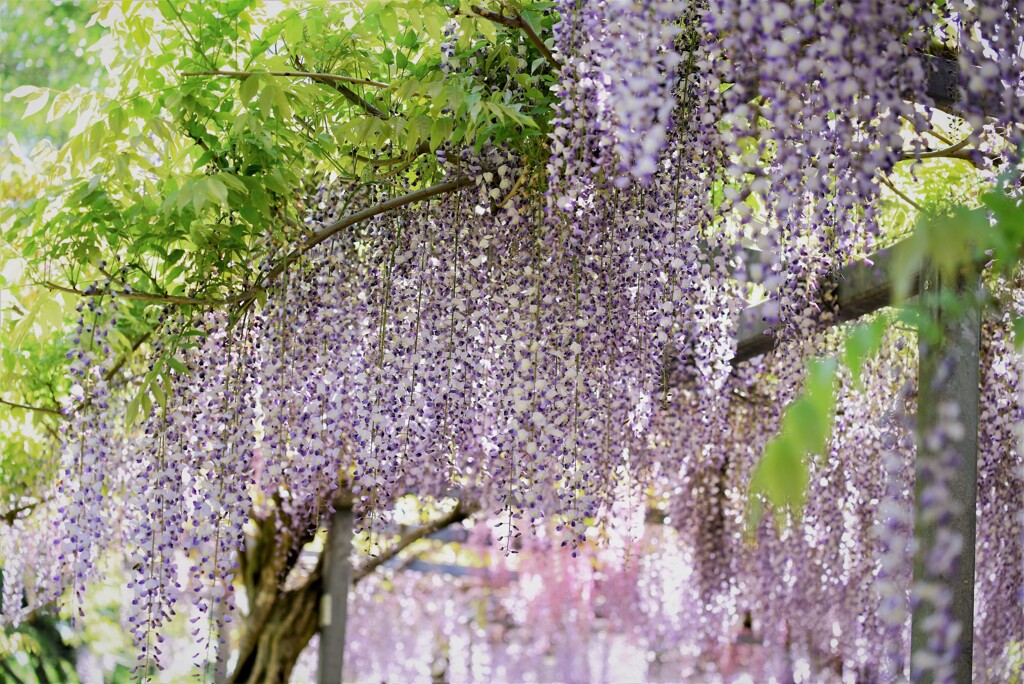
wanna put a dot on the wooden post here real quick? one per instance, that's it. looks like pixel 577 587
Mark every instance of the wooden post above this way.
pixel 334 601
pixel 948 374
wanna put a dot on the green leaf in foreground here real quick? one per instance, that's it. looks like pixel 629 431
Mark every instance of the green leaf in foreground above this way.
pixel 862 343
pixel 781 476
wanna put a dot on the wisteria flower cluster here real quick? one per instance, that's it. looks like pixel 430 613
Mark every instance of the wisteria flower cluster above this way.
pixel 540 343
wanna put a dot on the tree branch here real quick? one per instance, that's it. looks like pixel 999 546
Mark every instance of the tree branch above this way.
pixel 346 92
pixel 421 149
pixel 516 21
pixel 899 193
pixel 329 231
pixel 315 239
pixel 458 514
pixel 141 296
pixel 10 516
pixel 40 409
pixel 955 151
pixel 336 78
pixel 353 97
pixel 123 359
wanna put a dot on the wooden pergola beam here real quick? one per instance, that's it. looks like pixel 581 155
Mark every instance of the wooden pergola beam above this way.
pixel 861 287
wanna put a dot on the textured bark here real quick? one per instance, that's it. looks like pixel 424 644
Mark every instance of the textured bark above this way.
pixel 285 631
pixel 280 623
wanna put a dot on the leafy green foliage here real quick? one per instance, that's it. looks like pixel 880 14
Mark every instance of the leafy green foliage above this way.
pixel 48 45
pixel 180 178
pixel 37 652
pixel 961 243
pixel 175 165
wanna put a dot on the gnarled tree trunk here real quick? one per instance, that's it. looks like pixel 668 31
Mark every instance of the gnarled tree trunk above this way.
pixel 280 621
pixel 283 634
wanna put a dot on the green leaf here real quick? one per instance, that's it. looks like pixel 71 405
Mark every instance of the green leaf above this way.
pixel 132 412
pixel 781 477
pixel 293 27
pixel 216 189
pixel 820 384
pixel 119 342
pixel 275 181
pixel 433 23
pixel 389 22
pixel 440 131
pixel 24 91
pixel 198 196
pixel 267 98
pixel 233 182
pixel 862 343
pixel 488 29
pixel 145 403
pixel 804 427
pixel 37 103
pixel 419 129
pixel 249 87
pixel 281 103
pixel 23 326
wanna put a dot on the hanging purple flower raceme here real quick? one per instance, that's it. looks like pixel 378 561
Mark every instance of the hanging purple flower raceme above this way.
pixel 276 380
pixel 30 549
pixel 988 36
pixel 794 122
pixel 382 381
pixel 309 339
pixel 12 598
pixel 999 564
pixel 891 530
pixel 582 136
pixel 320 330
pixel 90 450
pixel 810 590
pixel 936 506
pixel 215 418
pixel 894 533
pixel 153 529
pixel 639 61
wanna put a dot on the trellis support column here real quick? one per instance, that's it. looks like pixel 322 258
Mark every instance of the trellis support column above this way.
pixel 334 601
pixel 948 376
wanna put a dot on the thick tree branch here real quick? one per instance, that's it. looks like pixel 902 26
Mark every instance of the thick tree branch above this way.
pixel 336 78
pixel 955 151
pixel 315 239
pixel 40 409
pixel 516 21
pixel 421 149
pixel 458 514
pixel 968 155
pixel 10 516
pixel 123 359
pixel 141 296
pixel 353 97
pixel 329 231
